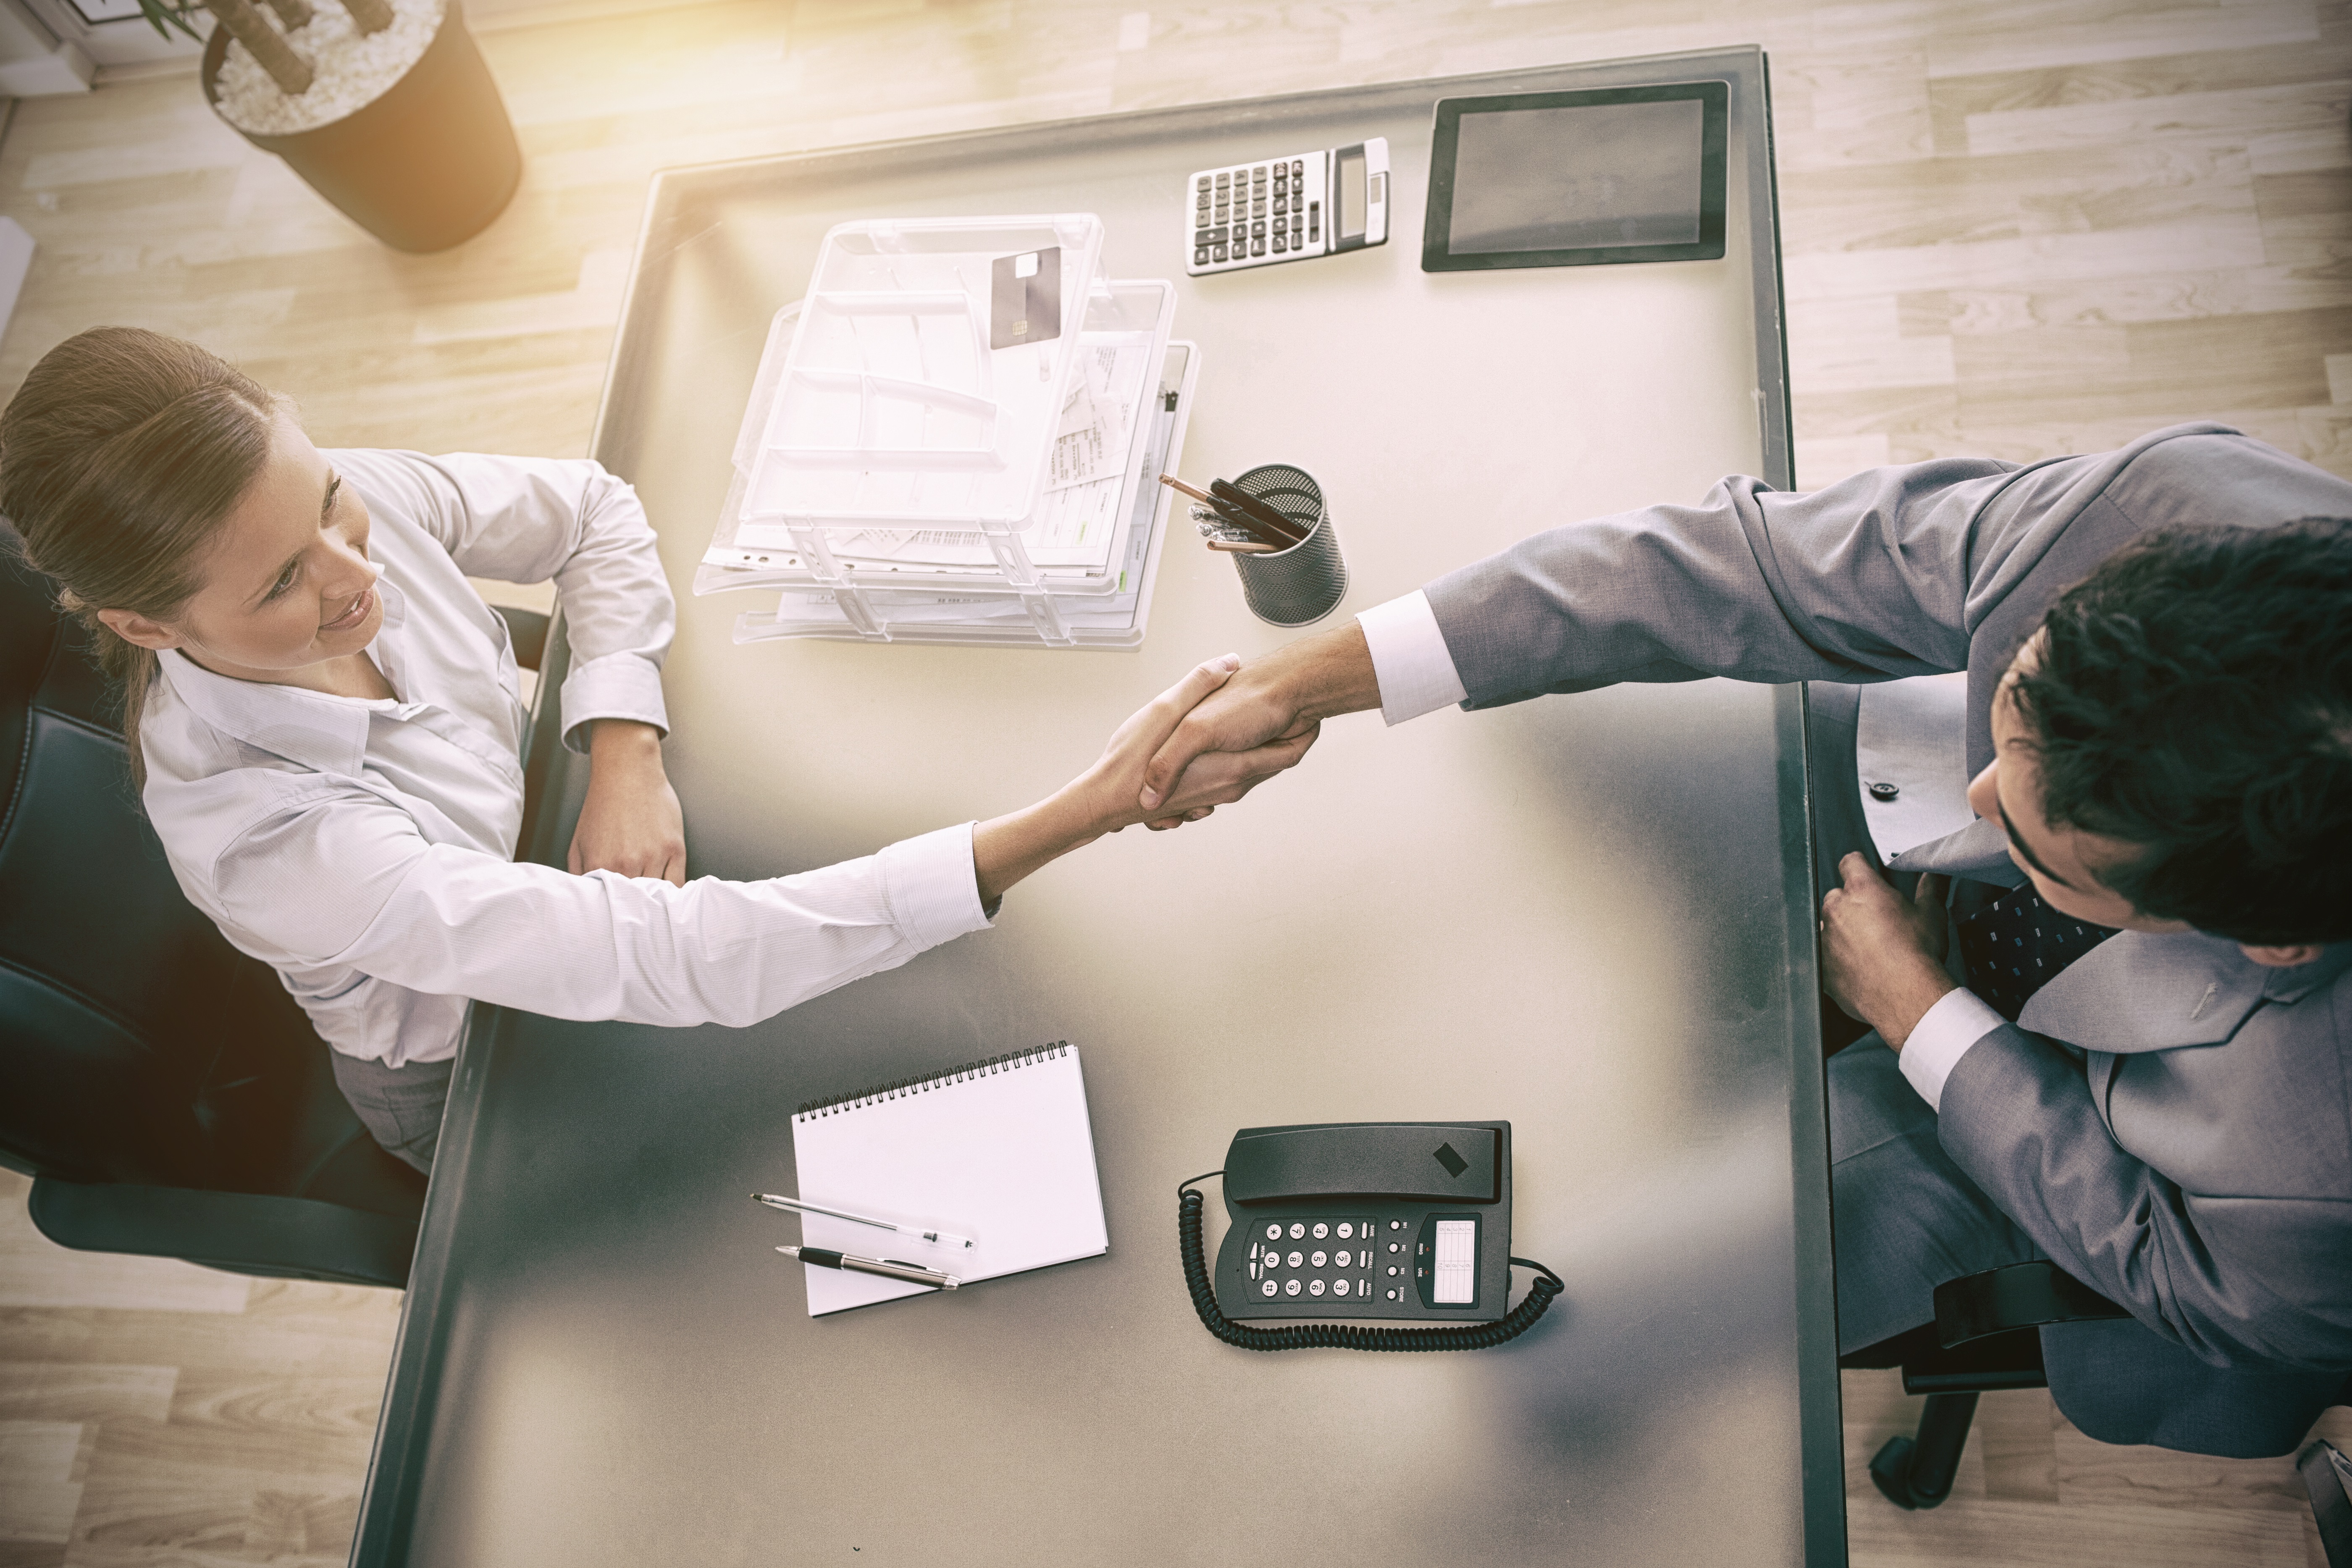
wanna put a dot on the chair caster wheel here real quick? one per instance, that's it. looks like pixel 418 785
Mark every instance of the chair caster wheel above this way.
pixel 1890 1468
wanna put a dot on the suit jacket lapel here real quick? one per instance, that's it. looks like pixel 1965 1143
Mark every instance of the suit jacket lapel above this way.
pixel 2138 992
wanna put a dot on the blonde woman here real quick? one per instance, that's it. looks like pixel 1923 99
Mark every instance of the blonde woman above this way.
pixel 324 724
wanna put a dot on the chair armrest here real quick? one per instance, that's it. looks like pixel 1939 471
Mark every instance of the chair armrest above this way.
pixel 2014 1296
pixel 243 1233
pixel 2323 1470
pixel 528 630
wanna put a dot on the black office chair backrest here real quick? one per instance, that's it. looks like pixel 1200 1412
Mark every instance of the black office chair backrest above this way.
pixel 136 1044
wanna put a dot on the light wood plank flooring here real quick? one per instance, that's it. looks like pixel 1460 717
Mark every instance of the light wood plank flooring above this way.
pixel 2013 227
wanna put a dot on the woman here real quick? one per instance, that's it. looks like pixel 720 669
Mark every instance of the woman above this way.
pixel 325 725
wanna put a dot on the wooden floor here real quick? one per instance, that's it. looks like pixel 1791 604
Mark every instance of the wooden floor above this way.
pixel 2015 226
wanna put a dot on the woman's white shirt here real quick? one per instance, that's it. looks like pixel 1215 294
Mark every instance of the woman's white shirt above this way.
pixel 364 848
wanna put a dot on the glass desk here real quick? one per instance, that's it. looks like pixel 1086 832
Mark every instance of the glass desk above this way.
pixel 1590 915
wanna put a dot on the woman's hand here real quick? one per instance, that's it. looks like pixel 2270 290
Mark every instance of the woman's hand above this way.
pixel 1103 799
pixel 630 822
pixel 1112 786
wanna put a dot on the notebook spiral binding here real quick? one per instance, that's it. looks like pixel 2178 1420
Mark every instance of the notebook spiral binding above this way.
pixel 1009 1062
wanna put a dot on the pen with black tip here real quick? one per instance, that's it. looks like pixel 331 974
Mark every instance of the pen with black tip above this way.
pixel 826 1258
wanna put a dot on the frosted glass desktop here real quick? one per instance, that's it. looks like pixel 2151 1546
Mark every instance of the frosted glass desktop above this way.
pixel 1588 915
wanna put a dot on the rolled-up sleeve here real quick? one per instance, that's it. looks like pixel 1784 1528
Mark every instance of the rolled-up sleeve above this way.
pixel 335 880
pixel 526 519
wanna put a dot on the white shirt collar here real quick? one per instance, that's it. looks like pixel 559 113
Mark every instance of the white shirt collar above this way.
pixel 311 728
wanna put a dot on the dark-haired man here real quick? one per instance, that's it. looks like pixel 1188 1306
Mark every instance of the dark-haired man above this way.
pixel 2148 1073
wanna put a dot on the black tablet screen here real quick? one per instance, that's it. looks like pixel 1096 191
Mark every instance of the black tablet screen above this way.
pixel 1575 179
pixel 1578 179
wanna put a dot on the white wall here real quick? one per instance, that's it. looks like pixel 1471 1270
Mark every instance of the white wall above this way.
pixel 33 59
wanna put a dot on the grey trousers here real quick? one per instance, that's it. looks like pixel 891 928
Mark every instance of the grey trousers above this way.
pixel 401 1107
pixel 1903 1217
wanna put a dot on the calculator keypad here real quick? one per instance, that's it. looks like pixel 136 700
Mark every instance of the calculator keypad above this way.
pixel 1253 212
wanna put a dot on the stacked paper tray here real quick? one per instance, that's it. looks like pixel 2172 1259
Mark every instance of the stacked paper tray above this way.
pixel 925 373
pixel 1063 535
pixel 979 611
pixel 950 428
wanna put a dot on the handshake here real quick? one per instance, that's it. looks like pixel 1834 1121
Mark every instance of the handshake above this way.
pixel 1223 730
pixel 1207 741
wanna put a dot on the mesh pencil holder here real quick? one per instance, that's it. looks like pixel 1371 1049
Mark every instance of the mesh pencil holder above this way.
pixel 1303 583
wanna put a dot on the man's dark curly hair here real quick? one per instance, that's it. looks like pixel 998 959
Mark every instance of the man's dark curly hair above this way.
pixel 2194 698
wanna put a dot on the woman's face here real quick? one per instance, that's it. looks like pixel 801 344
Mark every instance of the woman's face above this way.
pixel 287 584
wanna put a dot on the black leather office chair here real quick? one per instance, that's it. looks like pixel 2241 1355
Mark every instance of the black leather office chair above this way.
pixel 1987 1337
pixel 166 1094
pixel 2324 1471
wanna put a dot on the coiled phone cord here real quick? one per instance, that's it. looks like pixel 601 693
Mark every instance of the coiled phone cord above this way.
pixel 1345 1336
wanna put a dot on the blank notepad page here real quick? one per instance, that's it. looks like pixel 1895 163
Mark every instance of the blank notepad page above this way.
pixel 1002 1151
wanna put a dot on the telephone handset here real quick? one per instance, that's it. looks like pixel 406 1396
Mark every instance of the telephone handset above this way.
pixel 1403 1221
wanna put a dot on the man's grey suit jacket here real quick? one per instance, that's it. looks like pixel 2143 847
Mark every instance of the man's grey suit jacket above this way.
pixel 2170 1122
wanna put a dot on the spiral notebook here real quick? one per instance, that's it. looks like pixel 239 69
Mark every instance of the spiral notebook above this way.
pixel 1001 1151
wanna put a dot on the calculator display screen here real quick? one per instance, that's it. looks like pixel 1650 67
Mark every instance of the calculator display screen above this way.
pixel 1576 179
pixel 1351 194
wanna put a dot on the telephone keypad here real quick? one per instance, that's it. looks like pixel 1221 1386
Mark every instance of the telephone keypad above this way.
pixel 1344 1274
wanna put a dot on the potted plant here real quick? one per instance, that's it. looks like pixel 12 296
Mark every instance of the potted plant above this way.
pixel 384 106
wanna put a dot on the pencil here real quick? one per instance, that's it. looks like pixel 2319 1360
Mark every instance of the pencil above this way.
pixel 1237 518
pixel 1269 519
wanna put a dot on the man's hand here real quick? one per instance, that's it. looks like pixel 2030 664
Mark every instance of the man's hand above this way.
pixel 630 822
pixel 1275 703
pixel 1114 785
pixel 1882 952
pixel 1102 800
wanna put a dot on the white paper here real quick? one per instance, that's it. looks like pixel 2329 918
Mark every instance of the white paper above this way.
pixel 1098 419
pixel 1005 1156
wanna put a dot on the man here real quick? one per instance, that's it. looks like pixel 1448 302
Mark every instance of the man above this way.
pixel 2147 1075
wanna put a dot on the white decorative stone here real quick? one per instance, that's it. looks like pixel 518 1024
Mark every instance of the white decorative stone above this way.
pixel 350 69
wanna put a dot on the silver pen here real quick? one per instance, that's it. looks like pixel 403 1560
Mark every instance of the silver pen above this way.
pixel 935 1237
pixel 826 1258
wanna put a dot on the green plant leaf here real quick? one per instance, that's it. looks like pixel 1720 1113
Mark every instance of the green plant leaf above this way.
pixel 173 11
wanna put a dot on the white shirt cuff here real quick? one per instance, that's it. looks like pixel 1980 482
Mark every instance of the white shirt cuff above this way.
pixel 618 686
pixel 1410 658
pixel 931 886
pixel 1942 1036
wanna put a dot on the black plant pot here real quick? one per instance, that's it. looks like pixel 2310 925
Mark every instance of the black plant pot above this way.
pixel 427 163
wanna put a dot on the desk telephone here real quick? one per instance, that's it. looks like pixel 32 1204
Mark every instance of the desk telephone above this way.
pixel 1406 1221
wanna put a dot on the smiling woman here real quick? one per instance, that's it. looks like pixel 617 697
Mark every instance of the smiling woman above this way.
pixel 288 592
pixel 326 728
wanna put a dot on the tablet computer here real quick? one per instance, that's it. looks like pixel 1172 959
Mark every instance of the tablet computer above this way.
pixel 1577 179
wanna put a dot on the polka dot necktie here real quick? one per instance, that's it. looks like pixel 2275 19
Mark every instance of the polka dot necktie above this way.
pixel 2017 944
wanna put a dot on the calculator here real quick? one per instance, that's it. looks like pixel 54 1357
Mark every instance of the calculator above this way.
pixel 1287 209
